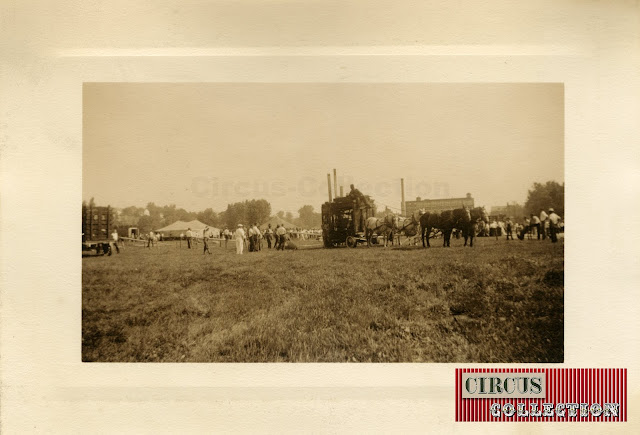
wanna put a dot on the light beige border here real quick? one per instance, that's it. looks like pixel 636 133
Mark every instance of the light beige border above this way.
pixel 45 387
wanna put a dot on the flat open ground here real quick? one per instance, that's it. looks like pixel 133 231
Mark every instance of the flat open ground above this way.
pixel 497 302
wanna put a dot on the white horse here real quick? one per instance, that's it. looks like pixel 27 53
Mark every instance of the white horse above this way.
pixel 409 226
pixel 381 226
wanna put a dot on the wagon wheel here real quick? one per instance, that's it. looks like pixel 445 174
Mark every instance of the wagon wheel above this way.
pixel 352 242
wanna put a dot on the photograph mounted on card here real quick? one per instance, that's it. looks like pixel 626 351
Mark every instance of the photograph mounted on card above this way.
pixel 323 222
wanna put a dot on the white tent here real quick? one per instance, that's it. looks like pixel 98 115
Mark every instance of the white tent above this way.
pixel 181 227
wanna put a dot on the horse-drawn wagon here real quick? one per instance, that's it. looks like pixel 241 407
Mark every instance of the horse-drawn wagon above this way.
pixel 344 220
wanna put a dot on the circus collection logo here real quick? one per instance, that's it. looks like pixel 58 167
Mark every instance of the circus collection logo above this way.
pixel 541 395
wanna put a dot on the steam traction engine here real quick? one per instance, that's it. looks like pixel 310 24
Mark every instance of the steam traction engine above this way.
pixel 344 220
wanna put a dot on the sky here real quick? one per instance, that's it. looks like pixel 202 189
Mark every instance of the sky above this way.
pixel 201 145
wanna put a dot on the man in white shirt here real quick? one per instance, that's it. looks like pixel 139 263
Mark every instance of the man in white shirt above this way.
pixel 543 223
pixel 251 237
pixel 257 234
pixel 114 238
pixel 268 233
pixel 280 234
pixel 554 219
pixel 240 236
pixel 493 229
pixel 535 223
pixel 152 238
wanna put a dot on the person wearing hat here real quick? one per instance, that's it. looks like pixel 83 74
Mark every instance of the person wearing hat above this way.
pixel 554 219
pixel 205 241
pixel 240 236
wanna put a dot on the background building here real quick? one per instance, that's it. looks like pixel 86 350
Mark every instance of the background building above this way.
pixel 439 204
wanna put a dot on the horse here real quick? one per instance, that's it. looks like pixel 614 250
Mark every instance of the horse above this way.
pixel 445 221
pixel 450 219
pixel 384 226
pixel 428 221
pixel 409 226
pixel 478 214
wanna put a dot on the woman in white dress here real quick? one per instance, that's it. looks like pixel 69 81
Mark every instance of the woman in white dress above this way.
pixel 240 236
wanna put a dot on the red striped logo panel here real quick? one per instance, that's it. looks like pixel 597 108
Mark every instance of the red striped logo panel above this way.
pixel 570 395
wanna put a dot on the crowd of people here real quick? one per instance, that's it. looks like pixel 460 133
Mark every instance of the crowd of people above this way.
pixel 546 224
pixel 277 238
pixel 534 226
pixel 251 237
pixel 150 239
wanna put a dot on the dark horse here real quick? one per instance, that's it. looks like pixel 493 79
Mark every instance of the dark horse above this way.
pixel 428 221
pixel 445 222
pixel 469 231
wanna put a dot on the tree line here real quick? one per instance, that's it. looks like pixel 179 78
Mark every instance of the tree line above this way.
pixel 541 196
pixel 153 217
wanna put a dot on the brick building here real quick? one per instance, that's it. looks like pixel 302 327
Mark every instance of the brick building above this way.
pixel 439 204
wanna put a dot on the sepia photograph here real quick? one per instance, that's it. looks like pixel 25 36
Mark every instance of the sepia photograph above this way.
pixel 323 222
pixel 318 216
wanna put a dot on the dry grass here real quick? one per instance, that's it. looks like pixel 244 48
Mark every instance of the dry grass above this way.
pixel 497 302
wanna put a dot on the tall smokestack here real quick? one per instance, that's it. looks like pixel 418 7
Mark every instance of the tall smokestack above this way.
pixel 335 183
pixel 341 191
pixel 329 186
pixel 403 205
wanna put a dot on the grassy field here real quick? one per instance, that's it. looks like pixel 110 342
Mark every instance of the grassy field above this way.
pixel 497 302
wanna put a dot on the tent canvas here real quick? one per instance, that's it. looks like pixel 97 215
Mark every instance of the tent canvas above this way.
pixel 176 226
pixel 180 227
pixel 277 220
